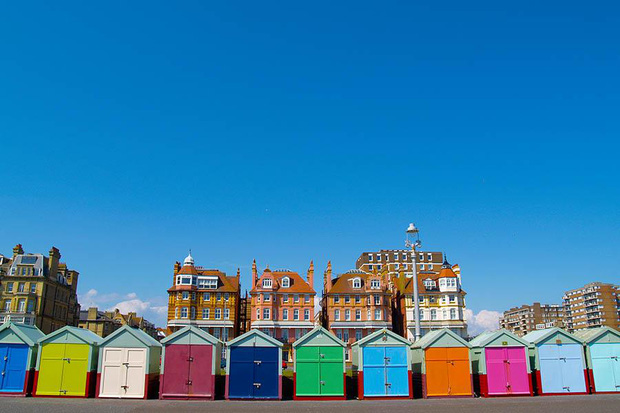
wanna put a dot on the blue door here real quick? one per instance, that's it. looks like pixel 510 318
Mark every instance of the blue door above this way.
pixel 606 366
pixel 374 371
pixel 13 361
pixel 266 373
pixel 550 369
pixel 241 375
pixel 571 362
pixel 396 371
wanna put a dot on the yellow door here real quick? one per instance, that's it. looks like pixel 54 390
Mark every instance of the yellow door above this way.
pixel 75 370
pixel 50 369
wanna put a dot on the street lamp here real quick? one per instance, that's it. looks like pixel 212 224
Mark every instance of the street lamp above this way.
pixel 413 242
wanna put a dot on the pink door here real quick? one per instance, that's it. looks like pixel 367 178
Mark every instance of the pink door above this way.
pixel 176 371
pixel 517 370
pixel 201 378
pixel 497 378
pixel 507 371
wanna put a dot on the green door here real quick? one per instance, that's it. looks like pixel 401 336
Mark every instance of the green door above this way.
pixel 331 369
pixel 50 369
pixel 75 370
pixel 307 374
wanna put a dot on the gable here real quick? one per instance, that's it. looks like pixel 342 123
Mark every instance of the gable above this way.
pixel 383 338
pixel 558 337
pixel 499 338
pixel 254 338
pixel 319 337
pixel 607 336
pixel 9 336
pixel 190 335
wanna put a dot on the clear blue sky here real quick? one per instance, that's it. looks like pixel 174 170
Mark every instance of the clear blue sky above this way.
pixel 289 132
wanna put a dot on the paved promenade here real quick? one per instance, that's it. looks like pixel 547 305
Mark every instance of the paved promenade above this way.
pixel 566 404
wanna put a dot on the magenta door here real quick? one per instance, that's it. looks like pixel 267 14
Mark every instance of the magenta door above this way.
pixel 507 371
pixel 176 371
pixel 201 371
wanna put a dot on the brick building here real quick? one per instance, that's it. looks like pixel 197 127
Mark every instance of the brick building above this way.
pixel 528 318
pixel 593 305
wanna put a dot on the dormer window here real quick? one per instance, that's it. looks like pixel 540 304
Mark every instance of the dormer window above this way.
pixel 357 283
pixel 267 283
pixel 286 282
pixel 429 283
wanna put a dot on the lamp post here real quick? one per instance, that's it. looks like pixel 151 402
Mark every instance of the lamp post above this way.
pixel 414 243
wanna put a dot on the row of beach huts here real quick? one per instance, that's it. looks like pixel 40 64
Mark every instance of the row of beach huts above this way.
pixel 74 362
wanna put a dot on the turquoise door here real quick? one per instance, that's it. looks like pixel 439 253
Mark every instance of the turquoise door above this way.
pixel 374 371
pixel 606 366
pixel 385 371
pixel 13 362
pixel 397 371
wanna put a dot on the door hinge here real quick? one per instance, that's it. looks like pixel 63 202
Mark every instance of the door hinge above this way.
pixel 189 383
pixel 257 362
pixel 322 383
pixel 190 359
pixel 256 384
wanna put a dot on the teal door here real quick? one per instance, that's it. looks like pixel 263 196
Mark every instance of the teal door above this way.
pixel 385 371
pixel 606 366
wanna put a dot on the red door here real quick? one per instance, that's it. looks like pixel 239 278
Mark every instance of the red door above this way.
pixel 200 371
pixel 176 371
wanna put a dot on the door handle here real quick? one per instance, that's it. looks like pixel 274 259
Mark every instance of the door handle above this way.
pixel 257 362
pixel 3 373
pixel 190 359
pixel 322 356
pixel 67 359
pixel 189 383
pixel 322 383
pixel 257 385
pixel 125 364
pixel 388 384
pixel 6 358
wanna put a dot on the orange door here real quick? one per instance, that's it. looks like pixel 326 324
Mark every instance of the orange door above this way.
pixel 459 377
pixel 437 383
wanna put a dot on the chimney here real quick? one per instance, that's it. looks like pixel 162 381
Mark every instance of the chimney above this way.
pixel 311 275
pixel 327 277
pixel 254 274
pixel 239 275
pixel 17 250
pixel 53 262
pixel 92 313
pixel 177 268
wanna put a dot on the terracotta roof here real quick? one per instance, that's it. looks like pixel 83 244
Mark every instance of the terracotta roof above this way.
pixel 297 284
pixel 405 286
pixel 188 270
pixel 344 285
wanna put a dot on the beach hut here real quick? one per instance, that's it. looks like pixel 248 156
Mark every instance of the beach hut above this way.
pixel 190 363
pixel 128 365
pixel 254 367
pixel 500 365
pixel 603 358
pixel 319 366
pixel 557 361
pixel 441 365
pixel 67 363
pixel 383 363
pixel 18 357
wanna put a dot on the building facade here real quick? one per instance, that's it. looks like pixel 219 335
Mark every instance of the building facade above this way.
pixel 355 304
pixel 282 304
pixel 395 262
pixel 38 290
pixel 104 323
pixel 204 298
pixel 593 305
pixel 528 318
pixel 441 300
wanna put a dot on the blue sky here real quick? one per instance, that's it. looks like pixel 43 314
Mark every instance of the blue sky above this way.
pixel 289 132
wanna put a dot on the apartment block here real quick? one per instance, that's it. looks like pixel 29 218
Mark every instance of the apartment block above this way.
pixel 593 305
pixel 394 262
pixel 528 318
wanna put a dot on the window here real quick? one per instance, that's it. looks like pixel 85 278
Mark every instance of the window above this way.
pixel 347 299
pixel 429 256
pixel 306 314
pixel 226 296
pixel 258 313
pixel 216 332
pixel 186 280
pixel 444 315
pixel 306 299
pixel 378 315
pixel 296 298
pixel 378 257
pixel 345 336
pixel 33 288
pixel 31 306
pixel 433 314
pixel 430 267
pixel 9 287
pixel 21 305
pixel 357 283
pixel 193 313
pixel 286 282
pixel 421 314
pixel 21 287
pixel 298 332
pixel 266 297
pixel 193 296
pixel 267 282
pixel 206 297
pixel 395 256
pixel 358 334
pixel 421 257
pixel 339 334
pixel 452 298
pixel 184 312
pixel 358 299
pixel 432 299
pixel 285 335
pixel 295 315
pixel 218 313
pixel 369 257
pixel 422 267
pixel 218 297
pixel 227 314
pixel 337 315
pixel 285 299
pixel 404 256
pixel 453 313
pixel 370 267
pixel 347 315
pixel 205 313
pixel 396 266
pixel 368 314
pixel 377 300
pixel 7 305
pixel 185 295
pixel 266 313
pixel 375 284
pixel 224 333
pixel 176 313
pixel 285 314
pixel 358 315
pixel 336 299
pixel 208 283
